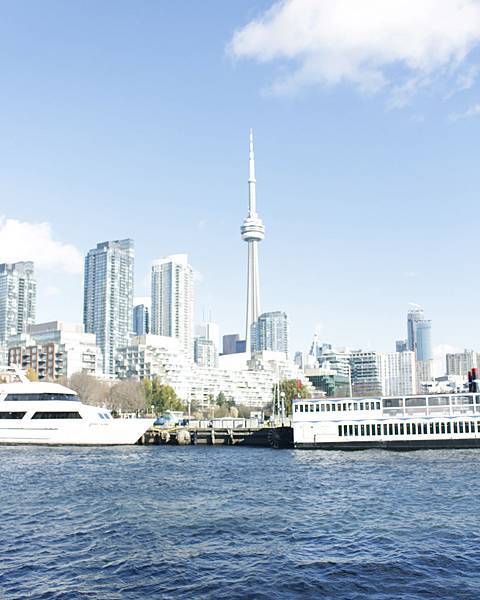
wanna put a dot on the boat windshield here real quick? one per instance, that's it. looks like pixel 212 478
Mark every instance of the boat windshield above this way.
pixel 42 397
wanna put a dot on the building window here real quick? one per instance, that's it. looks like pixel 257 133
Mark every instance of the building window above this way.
pixel 340 430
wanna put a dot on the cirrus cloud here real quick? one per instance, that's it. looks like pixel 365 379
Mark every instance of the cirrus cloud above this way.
pixel 399 46
pixel 21 241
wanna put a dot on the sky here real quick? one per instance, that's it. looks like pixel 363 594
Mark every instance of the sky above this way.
pixel 130 119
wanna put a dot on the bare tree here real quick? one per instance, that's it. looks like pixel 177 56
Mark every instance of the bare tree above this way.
pixel 127 396
pixel 91 390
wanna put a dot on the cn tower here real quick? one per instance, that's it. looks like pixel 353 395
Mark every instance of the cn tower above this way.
pixel 252 232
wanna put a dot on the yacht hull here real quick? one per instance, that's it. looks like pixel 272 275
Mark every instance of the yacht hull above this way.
pixel 116 432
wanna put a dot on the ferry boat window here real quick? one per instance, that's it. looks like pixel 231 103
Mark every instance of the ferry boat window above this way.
pixel 438 401
pixel 328 407
pixel 362 429
pixel 333 407
pixel 449 427
pixel 344 406
pixel 379 429
pixel 345 430
pixel 361 405
pixel 462 400
pixel 431 428
pixel 355 406
pixel 312 408
pixel 408 429
pixel 349 406
pixel 437 428
pixel 323 407
pixel 56 415
pixel 402 432
pixel 415 402
pixel 472 427
pixel 455 427
pixel 467 427
pixel 425 428
pixel 12 415
pixel 301 407
pixel 367 429
pixel 442 427
pixel 384 429
pixel 392 403
pixel 340 432
pixel 414 428
pixel 296 407
pixel 374 430
pixel 396 428
pixel 477 398
pixel 317 407
pixel 350 430
pixel 478 426
pixel 355 427
pixel 390 429
pixel 378 405
pixel 460 427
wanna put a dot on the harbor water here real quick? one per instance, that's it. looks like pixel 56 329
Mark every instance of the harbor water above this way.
pixel 228 522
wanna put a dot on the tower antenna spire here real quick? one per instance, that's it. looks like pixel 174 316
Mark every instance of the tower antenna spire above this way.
pixel 253 231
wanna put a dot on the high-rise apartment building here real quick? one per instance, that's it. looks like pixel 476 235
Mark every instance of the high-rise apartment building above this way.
pixel 108 297
pixel 398 373
pixel 172 300
pixel 401 345
pixel 141 319
pixel 270 332
pixel 18 293
pixel 366 373
pixel 460 363
pixel 205 353
pixel 230 343
pixel 55 349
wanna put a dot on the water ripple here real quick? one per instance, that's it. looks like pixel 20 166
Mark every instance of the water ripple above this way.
pixel 195 522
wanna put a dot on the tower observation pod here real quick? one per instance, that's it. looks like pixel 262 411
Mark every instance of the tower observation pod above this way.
pixel 253 231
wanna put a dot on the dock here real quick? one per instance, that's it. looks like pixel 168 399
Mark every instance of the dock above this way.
pixel 264 436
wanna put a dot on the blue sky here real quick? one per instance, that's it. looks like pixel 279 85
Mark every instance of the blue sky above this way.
pixel 130 119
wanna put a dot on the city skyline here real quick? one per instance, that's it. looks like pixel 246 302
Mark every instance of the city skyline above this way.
pixel 359 196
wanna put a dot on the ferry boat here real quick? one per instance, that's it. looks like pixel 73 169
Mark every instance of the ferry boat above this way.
pixel 49 413
pixel 394 423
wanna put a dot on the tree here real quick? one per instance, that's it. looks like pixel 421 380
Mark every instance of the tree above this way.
pixel 91 390
pixel 161 396
pixel 31 374
pixel 127 395
pixel 292 388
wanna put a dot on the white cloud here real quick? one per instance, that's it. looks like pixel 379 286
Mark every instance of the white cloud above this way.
pixel 364 42
pixel 473 111
pixel 33 241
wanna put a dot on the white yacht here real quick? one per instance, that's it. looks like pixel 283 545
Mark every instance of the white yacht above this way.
pixel 400 423
pixel 49 413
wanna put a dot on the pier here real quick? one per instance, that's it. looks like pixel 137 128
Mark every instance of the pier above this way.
pixel 264 436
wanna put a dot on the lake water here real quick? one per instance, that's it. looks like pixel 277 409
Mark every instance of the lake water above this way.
pixel 226 522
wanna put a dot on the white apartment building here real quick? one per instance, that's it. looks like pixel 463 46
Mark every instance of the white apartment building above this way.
pixel 17 302
pixel 460 363
pixel 398 373
pixel 56 349
pixel 159 356
pixel 172 300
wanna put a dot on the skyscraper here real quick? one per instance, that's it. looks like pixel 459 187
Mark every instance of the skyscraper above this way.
pixel 252 232
pixel 108 297
pixel 18 292
pixel 141 319
pixel 419 332
pixel 270 332
pixel 172 300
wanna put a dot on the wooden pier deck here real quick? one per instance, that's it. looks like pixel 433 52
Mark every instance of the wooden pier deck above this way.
pixel 266 437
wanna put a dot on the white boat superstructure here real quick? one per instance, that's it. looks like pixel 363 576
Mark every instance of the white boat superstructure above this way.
pixel 49 413
pixel 400 423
